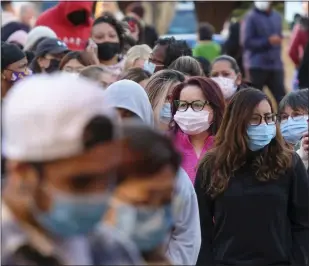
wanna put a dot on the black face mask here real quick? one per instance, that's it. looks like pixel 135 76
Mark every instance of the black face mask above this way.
pixel 108 50
pixel 78 17
pixel 53 66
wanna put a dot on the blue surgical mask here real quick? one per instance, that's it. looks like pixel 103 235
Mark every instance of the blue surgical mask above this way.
pixel 149 67
pixel 166 113
pixel 293 130
pixel 147 227
pixel 72 215
pixel 260 136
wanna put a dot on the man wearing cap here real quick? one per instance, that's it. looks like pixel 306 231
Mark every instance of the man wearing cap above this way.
pixel 57 186
pixel 14 66
pixel 48 55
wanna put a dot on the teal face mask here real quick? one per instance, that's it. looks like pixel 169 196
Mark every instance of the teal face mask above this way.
pixel 260 136
pixel 293 129
pixel 73 215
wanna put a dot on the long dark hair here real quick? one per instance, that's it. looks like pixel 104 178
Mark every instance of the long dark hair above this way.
pixel 231 146
pixel 212 93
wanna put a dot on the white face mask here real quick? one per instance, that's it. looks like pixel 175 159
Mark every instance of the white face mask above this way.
pixel 226 85
pixel 262 5
pixel 191 122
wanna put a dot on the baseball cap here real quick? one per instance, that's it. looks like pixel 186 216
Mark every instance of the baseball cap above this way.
pixel 44 116
pixel 51 46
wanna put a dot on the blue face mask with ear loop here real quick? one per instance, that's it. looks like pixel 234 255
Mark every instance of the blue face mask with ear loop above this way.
pixel 292 130
pixel 260 136
pixel 72 215
pixel 149 67
pixel 166 113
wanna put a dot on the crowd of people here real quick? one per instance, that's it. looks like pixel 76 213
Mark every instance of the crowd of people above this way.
pixel 117 150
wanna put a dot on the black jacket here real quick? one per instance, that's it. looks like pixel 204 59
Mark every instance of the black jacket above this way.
pixel 256 223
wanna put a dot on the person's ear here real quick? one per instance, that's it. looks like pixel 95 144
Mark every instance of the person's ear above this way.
pixel 238 79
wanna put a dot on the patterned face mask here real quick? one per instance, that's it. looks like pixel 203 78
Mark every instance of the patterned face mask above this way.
pixel 20 75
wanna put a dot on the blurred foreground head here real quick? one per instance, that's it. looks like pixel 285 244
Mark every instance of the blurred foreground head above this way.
pixel 62 150
pixel 143 203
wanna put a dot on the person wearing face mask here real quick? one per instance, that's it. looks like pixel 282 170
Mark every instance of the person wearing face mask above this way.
pixel 14 66
pixel 293 117
pixel 261 39
pixel 48 56
pixel 166 51
pixel 71 21
pixel 57 187
pixel 253 192
pixel 197 111
pixel 185 240
pixel 225 71
pixel 108 35
pixel 160 89
pixel 138 56
pixel 146 219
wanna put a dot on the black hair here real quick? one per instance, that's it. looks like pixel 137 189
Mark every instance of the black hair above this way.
pixel 229 59
pixel 205 31
pixel 205 64
pixel 136 8
pixel 175 49
pixel 155 148
pixel 4 4
pixel 117 25
pixel 99 130
pixel 295 100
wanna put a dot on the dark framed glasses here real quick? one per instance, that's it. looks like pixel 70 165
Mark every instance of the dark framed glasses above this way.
pixel 197 106
pixel 257 119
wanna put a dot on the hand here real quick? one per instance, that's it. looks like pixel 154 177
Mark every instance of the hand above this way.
pixel 275 40
pixel 92 49
pixel 305 143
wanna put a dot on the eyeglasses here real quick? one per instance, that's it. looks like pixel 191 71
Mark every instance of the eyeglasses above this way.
pixel 197 106
pixel 283 118
pixel 257 119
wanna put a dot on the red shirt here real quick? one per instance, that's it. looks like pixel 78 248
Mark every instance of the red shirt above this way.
pixel 298 42
pixel 75 37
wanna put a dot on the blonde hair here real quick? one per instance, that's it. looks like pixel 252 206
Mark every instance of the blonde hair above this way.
pixel 136 52
pixel 157 89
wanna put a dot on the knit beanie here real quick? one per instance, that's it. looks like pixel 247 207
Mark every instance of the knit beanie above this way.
pixel 10 53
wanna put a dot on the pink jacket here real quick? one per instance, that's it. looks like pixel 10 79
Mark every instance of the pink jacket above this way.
pixel 189 158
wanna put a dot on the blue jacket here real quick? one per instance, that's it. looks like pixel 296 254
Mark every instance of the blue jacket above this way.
pixel 257 27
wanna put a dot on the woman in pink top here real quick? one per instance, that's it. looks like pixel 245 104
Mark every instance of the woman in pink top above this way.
pixel 197 110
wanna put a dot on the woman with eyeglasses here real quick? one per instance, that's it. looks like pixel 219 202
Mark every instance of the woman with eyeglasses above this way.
pixel 197 111
pixel 253 191
pixel 293 117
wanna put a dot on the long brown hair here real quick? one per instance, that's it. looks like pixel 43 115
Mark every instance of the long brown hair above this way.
pixel 212 93
pixel 231 146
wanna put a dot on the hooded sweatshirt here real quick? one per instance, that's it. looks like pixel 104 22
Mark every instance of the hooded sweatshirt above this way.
pixel 76 37
pixel 184 243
